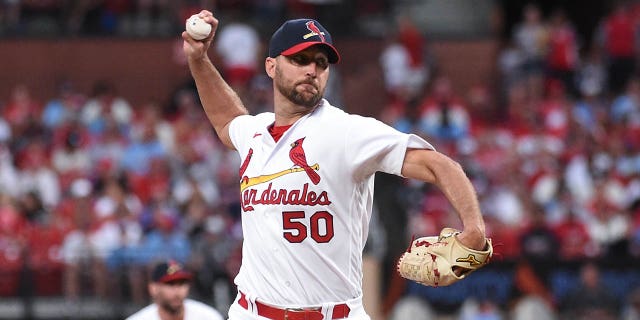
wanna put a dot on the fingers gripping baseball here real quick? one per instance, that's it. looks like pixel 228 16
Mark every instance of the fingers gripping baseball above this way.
pixel 441 260
pixel 196 40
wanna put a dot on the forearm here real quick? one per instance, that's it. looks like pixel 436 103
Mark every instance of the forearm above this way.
pixel 220 102
pixel 458 189
pixel 448 176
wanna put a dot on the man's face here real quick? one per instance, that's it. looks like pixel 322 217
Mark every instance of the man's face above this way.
pixel 170 296
pixel 302 77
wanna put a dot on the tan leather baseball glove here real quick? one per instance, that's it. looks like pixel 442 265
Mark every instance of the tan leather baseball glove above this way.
pixel 441 260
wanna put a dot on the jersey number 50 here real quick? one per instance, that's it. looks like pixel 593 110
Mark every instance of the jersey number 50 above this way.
pixel 296 231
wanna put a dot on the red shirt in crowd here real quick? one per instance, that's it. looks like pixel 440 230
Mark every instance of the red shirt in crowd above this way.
pixel 620 35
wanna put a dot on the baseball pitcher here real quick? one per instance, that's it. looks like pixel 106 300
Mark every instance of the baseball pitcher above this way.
pixel 306 185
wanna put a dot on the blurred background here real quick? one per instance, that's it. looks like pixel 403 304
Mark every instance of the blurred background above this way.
pixel 108 163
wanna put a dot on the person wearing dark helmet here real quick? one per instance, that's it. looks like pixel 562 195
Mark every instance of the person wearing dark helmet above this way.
pixel 169 287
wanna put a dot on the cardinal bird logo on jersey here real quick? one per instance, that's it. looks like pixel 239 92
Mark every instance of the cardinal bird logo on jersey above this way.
pixel 299 159
pixel 315 31
pixel 271 194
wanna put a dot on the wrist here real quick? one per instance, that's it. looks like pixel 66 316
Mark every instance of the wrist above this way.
pixel 473 237
pixel 203 59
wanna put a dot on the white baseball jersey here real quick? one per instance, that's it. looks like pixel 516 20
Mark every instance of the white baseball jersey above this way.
pixel 307 201
pixel 193 310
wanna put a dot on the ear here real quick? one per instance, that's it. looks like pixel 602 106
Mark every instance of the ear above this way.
pixel 270 66
pixel 153 289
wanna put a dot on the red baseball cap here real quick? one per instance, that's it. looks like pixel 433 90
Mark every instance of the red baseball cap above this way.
pixel 298 34
pixel 170 271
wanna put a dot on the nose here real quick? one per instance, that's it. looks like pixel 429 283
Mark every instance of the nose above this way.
pixel 311 69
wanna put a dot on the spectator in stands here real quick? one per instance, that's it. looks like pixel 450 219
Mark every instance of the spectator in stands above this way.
pixel 608 224
pixel 482 108
pixel 626 106
pixel 33 209
pixel 531 38
pixel 45 238
pixel 149 115
pixel 590 298
pixel 539 245
pixel 163 239
pixel 403 61
pixel 117 235
pixel 82 265
pixel 239 45
pixel 412 307
pixel 9 174
pixel 21 112
pixel 554 110
pixel 575 243
pixel 144 148
pixel 63 107
pixel 406 72
pixel 199 156
pixel 578 177
pixel 510 63
pixel 107 149
pixel 589 112
pixel 531 296
pixel 532 276
pixel 591 77
pixel 480 309
pixel 70 157
pixel 36 174
pixel 532 308
pixel 13 235
pixel 402 112
pixel 503 197
pixel 617 37
pixel 562 56
pixel 214 249
pixel 117 232
pixel 103 104
pixel 443 116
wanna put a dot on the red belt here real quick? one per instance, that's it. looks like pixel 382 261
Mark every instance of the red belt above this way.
pixel 340 311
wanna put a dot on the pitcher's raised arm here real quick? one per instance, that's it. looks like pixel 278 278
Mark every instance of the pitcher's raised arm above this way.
pixel 220 102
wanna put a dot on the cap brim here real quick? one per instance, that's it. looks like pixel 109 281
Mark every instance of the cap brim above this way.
pixel 333 55
pixel 178 276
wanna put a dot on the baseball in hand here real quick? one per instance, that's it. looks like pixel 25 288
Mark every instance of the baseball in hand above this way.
pixel 197 28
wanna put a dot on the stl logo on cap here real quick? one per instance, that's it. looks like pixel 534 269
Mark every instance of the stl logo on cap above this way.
pixel 173 267
pixel 315 31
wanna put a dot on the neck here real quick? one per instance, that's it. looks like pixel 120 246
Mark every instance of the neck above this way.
pixel 288 113
pixel 168 315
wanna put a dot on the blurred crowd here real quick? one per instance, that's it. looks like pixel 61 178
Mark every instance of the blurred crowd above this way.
pixel 163 18
pixel 97 189
pixel 94 189
pixel 558 142
pixel 553 147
